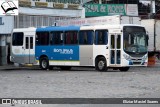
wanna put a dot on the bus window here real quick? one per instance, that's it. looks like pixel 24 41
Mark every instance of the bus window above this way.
pixel 101 37
pixel 17 39
pixel 112 41
pixel 118 41
pixel 86 37
pixel 27 42
pixel 71 37
pixel 56 38
pixel 31 42
pixel 42 38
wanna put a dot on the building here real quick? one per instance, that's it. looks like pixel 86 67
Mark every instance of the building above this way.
pixel 144 9
pixel 36 13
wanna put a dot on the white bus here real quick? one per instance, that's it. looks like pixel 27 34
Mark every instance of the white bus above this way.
pixel 100 46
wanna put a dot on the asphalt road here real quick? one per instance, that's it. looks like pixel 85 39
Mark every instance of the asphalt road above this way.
pixel 138 82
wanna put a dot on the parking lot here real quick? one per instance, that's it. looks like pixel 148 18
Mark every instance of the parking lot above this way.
pixel 31 82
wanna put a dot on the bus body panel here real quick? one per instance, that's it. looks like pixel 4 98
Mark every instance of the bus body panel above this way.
pixel 76 54
pixel 86 55
pixel 24 54
pixel 59 55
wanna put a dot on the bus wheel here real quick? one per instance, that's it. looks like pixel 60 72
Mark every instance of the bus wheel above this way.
pixel 44 63
pixel 65 67
pixel 101 64
pixel 124 68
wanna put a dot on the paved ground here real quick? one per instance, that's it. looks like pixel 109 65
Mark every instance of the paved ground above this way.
pixel 138 82
pixel 25 82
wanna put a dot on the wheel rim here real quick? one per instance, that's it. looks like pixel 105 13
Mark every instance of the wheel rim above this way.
pixel 101 65
pixel 44 64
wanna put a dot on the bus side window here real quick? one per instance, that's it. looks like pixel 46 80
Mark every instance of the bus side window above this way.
pixel 17 39
pixel 67 38
pixel 112 41
pixel 101 37
pixel 86 37
pixel 75 38
pixel 118 41
pixel 56 38
pixel 42 38
pixel 71 37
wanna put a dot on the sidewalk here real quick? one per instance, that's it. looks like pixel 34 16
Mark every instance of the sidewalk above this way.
pixel 12 66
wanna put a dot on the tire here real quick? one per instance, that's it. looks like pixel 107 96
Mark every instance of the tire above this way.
pixel 44 63
pixel 124 69
pixel 101 64
pixel 65 67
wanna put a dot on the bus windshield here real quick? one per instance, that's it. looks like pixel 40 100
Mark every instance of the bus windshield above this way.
pixel 135 39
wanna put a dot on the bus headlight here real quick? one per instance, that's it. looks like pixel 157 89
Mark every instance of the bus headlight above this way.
pixel 144 57
pixel 127 57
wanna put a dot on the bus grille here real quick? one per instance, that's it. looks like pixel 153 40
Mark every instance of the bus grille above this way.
pixel 137 63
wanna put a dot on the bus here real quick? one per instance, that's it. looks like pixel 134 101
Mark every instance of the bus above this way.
pixel 117 47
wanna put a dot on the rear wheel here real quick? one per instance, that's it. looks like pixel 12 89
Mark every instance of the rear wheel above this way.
pixel 124 68
pixel 44 63
pixel 101 64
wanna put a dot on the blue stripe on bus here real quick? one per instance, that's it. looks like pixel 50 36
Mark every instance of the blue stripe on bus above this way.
pixel 58 52
pixel 56 28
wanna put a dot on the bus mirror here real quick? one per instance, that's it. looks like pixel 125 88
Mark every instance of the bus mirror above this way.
pixel 147 38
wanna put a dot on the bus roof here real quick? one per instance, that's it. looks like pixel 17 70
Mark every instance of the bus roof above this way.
pixel 114 26
pixel 30 29
pixel 58 28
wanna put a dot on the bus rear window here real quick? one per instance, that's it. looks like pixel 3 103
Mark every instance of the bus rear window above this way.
pixel 17 39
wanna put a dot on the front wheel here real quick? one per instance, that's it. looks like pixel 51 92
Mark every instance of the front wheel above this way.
pixel 124 68
pixel 101 64
pixel 44 63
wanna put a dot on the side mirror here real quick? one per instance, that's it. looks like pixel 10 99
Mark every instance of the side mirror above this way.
pixel 147 38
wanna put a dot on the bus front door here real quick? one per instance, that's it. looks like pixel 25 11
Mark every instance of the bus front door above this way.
pixel 28 49
pixel 115 49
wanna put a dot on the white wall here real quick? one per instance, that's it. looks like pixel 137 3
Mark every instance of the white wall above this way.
pixel 6 24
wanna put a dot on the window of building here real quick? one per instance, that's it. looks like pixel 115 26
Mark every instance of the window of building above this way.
pixel 56 38
pixel 42 38
pixel 65 1
pixel 17 39
pixel 35 0
pixel 86 37
pixel 71 37
pixel 101 37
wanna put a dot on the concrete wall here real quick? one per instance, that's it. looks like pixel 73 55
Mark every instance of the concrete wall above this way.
pixel 3 55
pixel 3 50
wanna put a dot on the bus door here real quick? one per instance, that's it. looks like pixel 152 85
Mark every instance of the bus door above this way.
pixel 115 49
pixel 28 49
